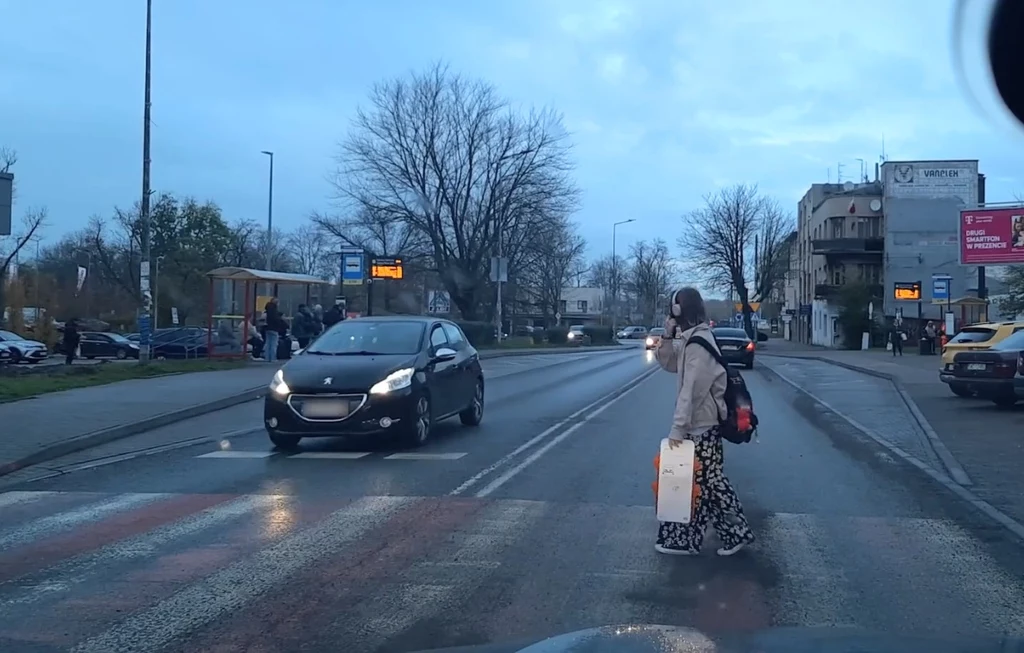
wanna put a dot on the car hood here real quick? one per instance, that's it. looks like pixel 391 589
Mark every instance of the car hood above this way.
pixel 308 371
pixel 660 639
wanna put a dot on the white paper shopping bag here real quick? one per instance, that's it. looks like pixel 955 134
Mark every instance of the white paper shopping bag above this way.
pixel 675 482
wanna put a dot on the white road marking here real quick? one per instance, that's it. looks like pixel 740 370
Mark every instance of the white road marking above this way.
pixel 67 520
pixel 230 453
pixel 246 580
pixel 587 413
pixel 424 456
pixel 332 455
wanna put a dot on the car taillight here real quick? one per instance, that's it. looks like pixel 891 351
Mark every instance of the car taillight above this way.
pixel 750 346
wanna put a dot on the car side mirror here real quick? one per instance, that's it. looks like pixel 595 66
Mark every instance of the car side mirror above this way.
pixel 443 354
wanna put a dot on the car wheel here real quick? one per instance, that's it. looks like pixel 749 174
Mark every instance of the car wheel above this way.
pixel 960 390
pixel 418 431
pixel 284 440
pixel 15 355
pixel 1005 401
pixel 474 414
pixel 121 354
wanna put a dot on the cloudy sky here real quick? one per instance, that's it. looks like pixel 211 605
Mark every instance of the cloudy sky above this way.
pixel 666 99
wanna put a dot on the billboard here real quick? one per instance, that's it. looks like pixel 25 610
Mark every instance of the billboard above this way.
pixel 992 236
pixel 931 179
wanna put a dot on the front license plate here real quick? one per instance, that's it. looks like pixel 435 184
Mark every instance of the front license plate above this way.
pixel 326 408
pixel 976 367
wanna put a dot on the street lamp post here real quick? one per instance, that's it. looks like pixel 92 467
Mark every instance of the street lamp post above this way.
pixel 615 278
pixel 144 291
pixel 270 211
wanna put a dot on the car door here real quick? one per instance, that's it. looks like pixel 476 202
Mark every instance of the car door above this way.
pixel 91 345
pixel 465 383
pixel 444 375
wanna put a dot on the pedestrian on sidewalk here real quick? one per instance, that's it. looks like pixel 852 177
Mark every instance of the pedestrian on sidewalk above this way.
pixel 700 402
pixel 276 327
pixel 930 333
pixel 896 338
pixel 72 338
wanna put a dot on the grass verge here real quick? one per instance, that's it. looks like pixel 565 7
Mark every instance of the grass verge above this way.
pixel 17 384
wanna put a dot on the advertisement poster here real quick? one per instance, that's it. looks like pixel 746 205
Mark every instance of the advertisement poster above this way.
pixel 992 236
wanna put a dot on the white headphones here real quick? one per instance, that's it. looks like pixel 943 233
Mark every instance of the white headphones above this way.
pixel 677 310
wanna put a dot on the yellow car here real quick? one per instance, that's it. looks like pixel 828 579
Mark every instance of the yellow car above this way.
pixel 973 338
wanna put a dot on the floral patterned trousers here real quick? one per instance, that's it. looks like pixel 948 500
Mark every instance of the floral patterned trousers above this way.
pixel 714 500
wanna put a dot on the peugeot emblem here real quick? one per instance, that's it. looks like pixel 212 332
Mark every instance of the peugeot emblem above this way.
pixel 329 380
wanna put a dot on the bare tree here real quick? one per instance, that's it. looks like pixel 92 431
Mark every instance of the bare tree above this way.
pixel 447 157
pixel 651 274
pixel 310 250
pixel 8 158
pixel 557 254
pixel 33 221
pixel 718 243
pixel 609 274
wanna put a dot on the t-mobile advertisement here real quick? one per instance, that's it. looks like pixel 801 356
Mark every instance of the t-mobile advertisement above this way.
pixel 992 236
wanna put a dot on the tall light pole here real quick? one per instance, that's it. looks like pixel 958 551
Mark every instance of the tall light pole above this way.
pixel 615 277
pixel 145 315
pixel 270 212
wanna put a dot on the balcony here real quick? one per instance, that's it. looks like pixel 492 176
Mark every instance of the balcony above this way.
pixel 831 291
pixel 848 246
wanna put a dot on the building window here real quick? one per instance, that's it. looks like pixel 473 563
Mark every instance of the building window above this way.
pixel 561 306
pixel 581 306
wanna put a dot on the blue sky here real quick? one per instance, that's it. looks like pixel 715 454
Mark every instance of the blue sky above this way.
pixel 667 100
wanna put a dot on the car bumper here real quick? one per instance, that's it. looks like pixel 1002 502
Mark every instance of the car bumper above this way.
pixel 35 355
pixel 986 387
pixel 379 414
pixel 738 356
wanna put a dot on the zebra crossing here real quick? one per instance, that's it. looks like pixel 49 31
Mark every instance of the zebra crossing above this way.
pixel 274 572
pixel 235 454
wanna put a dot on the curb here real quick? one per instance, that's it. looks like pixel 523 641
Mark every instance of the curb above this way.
pixel 104 436
pixel 122 431
pixel 955 470
pixel 1009 523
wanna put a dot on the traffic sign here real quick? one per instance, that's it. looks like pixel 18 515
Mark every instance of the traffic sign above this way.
pixel 941 287
pixel 352 273
pixel 558 318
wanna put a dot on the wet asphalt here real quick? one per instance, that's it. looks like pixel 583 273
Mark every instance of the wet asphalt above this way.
pixel 538 522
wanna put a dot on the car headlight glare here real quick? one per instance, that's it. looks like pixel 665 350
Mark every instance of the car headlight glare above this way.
pixel 395 381
pixel 278 386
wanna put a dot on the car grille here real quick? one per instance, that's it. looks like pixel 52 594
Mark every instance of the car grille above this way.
pixel 325 407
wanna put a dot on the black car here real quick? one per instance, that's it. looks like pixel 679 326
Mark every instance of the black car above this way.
pixel 736 346
pixel 377 376
pixel 99 344
pixel 996 373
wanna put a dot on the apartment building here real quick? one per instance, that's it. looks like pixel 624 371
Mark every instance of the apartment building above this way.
pixel 840 239
pixel 899 229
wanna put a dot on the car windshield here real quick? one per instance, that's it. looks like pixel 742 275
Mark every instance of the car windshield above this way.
pixel 658 332
pixel 1013 343
pixel 729 333
pixel 576 328
pixel 973 335
pixel 9 335
pixel 117 337
pixel 367 337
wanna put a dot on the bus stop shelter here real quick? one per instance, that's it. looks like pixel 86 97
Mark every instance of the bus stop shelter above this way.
pixel 238 296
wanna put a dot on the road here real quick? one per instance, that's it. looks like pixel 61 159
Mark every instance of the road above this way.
pixel 536 523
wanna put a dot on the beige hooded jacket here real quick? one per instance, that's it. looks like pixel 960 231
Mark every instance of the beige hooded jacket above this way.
pixel 701 382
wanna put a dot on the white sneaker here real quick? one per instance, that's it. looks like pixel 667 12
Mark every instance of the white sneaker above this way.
pixel 673 552
pixel 735 549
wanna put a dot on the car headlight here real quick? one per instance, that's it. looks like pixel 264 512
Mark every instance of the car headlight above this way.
pixel 570 335
pixel 650 341
pixel 395 381
pixel 278 386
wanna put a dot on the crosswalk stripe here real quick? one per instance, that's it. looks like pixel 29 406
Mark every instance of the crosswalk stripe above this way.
pixel 424 456
pixel 331 455
pixel 71 518
pixel 237 585
pixel 231 453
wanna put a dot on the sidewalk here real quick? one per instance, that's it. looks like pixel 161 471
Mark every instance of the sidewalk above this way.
pixel 986 442
pixel 52 425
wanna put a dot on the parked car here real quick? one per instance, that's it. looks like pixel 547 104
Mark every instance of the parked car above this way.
pixel 5 354
pixel 95 344
pixel 736 346
pixel 377 376
pixel 996 373
pixel 977 337
pixel 24 350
